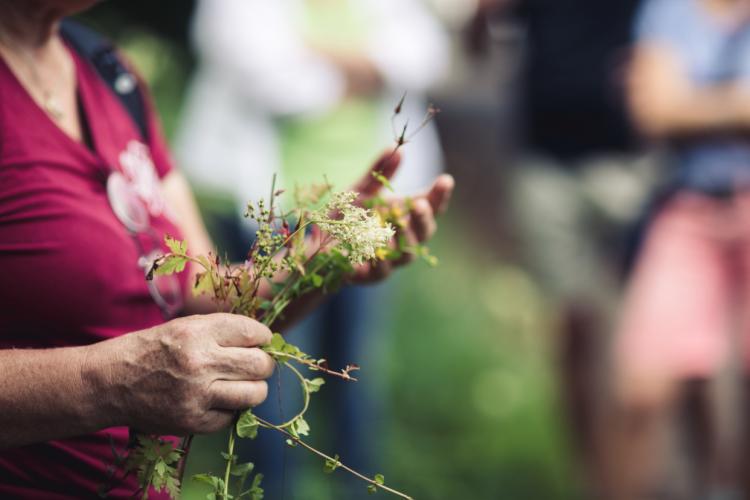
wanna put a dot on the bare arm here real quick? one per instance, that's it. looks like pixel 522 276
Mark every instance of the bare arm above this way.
pixel 43 396
pixel 185 376
pixel 665 103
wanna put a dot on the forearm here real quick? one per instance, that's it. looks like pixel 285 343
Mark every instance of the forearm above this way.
pixel 48 394
pixel 703 110
pixel 177 378
pixel 666 101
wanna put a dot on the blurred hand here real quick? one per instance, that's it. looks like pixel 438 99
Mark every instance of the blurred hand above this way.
pixel 185 376
pixel 362 76
pixel 420 220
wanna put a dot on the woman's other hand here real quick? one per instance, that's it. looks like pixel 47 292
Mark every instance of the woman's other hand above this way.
pixel 420 223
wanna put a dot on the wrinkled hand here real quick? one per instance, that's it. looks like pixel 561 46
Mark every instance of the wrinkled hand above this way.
pixel 420 222
pixel 186 376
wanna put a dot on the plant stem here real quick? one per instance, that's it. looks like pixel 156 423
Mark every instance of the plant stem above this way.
pixel 230 460
pixel 268 321
pixel 185 446
pixel 306 392
pixel 282 246
pixel 319 453
pixel 312 365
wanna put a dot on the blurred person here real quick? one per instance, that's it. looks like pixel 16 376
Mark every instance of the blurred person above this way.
pixel 306 89
pixel 577 180
pixel 575 183
pixel 684 319
pixel 88 347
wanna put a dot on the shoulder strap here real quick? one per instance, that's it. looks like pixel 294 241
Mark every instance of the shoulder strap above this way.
pixel 102 55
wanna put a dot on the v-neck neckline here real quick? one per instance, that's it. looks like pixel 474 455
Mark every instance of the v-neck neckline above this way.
pixel 82 106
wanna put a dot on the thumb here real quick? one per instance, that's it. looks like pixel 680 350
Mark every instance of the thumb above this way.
pixel 386 166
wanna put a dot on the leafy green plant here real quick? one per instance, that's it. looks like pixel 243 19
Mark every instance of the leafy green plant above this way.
pixel 311 248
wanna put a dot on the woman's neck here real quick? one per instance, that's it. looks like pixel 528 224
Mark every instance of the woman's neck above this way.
pixel 28 25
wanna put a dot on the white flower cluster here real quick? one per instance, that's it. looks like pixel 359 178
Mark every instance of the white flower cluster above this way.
pixel 359 230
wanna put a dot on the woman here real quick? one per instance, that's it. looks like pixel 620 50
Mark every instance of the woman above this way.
pixel 85 349
pixel 685 312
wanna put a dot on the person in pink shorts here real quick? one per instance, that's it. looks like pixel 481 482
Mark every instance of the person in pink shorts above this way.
pixel 685 311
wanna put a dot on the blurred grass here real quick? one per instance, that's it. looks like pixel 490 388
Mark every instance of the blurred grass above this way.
pixel 474 412
pixel 469 375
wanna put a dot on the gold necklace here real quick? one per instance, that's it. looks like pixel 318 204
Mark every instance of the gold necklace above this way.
pixel 49 103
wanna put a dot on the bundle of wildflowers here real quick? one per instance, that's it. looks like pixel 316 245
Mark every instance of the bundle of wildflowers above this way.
pixel 359 230
pixel 310 248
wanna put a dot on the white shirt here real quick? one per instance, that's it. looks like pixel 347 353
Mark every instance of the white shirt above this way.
pixel 255 68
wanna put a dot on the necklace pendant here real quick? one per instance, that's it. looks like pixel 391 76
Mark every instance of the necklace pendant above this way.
pixel 53 108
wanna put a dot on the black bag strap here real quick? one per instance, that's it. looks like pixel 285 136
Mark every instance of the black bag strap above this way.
pixel 102 55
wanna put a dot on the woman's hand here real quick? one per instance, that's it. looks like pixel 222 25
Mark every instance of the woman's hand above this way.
pixel 186 376
pixel 420 222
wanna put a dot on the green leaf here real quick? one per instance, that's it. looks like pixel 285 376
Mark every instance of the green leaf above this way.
pixel 170 264
pixel 175 246
pixel 291 349
pixel 317 280
pixel 242 469
pixel 300 427
pixel 382 180
pixel 247 425
pixel 208 479
pixel 431 260
pixel 277 342
pixel 173 486
pixel 154 462
pixel 160 468
pixel 379 479
pixel 331 465
pixel 216 483
pixel 256 492
pixel 314 385
pixel 265 305
pixel 204 283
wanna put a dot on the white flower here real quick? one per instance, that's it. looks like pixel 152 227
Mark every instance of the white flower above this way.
pixel 358 230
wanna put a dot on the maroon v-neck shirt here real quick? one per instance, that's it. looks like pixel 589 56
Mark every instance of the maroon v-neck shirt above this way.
pixel 68 267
